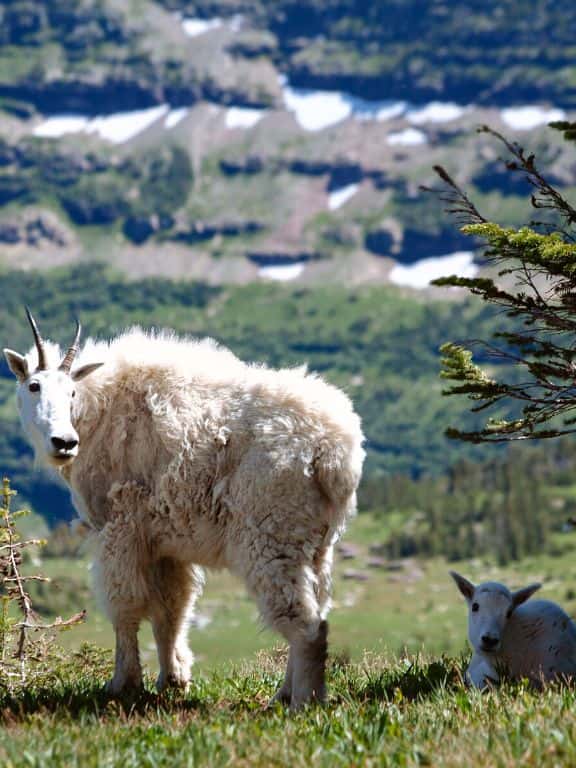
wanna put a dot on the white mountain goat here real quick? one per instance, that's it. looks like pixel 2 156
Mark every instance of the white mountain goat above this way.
pixel 534 640
pixel 179 455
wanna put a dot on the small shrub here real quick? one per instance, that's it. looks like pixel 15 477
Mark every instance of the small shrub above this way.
pixel 23 637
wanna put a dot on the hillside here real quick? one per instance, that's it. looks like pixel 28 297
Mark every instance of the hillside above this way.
pixel 231 141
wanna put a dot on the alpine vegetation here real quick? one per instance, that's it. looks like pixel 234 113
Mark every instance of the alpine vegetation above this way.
pixel 179 455
pixel 534 640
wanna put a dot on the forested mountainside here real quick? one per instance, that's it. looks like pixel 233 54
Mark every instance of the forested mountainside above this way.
pixel 224 140
pixel 382 348
pixel 488 52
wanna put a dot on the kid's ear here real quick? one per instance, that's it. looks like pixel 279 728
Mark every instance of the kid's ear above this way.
pixel 466 587
pixel 84 370
pixel 17 364
pixel 523 594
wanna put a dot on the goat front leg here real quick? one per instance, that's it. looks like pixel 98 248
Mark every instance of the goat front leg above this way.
pixel 122 592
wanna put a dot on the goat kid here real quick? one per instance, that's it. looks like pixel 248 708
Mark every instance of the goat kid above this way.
pixel 510 636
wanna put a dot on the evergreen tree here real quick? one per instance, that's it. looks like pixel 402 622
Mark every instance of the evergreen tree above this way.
pixel 535 389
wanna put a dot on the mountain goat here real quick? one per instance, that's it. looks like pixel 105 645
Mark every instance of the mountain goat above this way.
pixel 534 640
pixel 179 455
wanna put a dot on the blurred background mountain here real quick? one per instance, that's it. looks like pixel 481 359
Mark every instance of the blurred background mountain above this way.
pixel 252 171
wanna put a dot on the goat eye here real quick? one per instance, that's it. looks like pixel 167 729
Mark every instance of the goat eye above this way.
pixel 509 613
pixel 74 393
pixel 34 386
pixel 475 607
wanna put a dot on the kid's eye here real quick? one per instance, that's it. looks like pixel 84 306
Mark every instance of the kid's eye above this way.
pixel 475 607
pixel 34 386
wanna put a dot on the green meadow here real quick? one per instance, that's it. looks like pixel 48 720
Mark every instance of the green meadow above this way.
pixel 396 693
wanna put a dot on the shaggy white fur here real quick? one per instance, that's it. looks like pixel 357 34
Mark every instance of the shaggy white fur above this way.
pixel 189 457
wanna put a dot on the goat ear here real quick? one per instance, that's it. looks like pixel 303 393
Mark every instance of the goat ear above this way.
pixel 521 595
pixel 466 587
pixel 17 364
pixel 84 370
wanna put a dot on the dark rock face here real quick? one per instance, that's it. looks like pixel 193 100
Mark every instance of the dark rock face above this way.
pixel 340 173
pixel 379 241
pixel 122 94
pixel 276 259
pixel 32 231
pixel 202 232
pixel 422 245
pixel 139 229
pixel 344 175
pixel 24 22
pixel 495 177
pixel 84 97
pixel 249 166
pixel 416 245
pixel 9 233
pixel 95 209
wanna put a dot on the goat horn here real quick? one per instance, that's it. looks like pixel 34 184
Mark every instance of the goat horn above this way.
pixel 42 362
pixel 66 363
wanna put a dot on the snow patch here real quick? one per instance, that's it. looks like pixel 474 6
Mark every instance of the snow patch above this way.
pixel 57 126
pixel 316 110
pixel 282 272
pixel 435 112
pixel 338 197
pixel 123 126
pixel 174 117
pixel 419 274
pixel 117 128
pixel 243 117
pixel 381 111
pixel 197 27
pixel 409 137
pixel 529 117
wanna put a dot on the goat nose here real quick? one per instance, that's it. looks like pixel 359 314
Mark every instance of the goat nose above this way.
pixel 64 444
pixel 488 641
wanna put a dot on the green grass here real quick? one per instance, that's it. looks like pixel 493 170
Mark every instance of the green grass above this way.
pixel 381 711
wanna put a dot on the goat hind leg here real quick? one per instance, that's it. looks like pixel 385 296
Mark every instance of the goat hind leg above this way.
pixel 309 673
pixel 293 610
pixel 309 652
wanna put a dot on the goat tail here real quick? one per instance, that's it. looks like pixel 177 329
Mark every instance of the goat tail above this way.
pixel 338 468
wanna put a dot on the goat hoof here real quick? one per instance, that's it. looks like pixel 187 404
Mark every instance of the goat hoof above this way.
pixel 122 689
pixel 282 696
pixel 172 681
